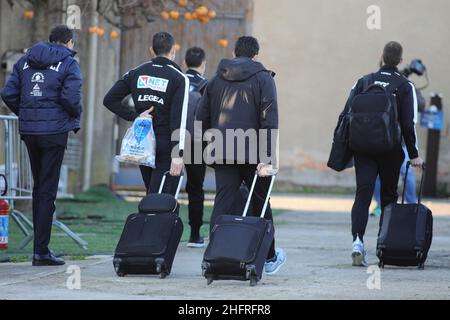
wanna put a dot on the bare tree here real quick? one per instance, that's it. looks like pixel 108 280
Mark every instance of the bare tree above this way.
pixel 141 12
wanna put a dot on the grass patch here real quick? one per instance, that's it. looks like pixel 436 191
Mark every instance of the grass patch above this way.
pixel 76 258
pixel 19 259
pixel 98 216
pixel 286 187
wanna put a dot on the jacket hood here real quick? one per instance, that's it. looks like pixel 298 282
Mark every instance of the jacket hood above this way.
pixel 239 69
pixel 46 54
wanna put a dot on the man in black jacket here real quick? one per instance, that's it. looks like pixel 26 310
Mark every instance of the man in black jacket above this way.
pixel 387 165
pixel 195 170
pixel 242 97
pixel 158 88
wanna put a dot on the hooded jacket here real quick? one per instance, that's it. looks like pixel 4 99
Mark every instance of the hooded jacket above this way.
pixel 242 95
pixel 44 90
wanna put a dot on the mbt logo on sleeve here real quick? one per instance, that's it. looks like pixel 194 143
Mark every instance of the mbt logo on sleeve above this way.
pixel 157 84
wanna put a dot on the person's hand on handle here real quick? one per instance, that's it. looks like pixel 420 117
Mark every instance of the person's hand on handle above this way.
pixel 266 170
pixel 147 113
pixel 176 169
pixel 417 163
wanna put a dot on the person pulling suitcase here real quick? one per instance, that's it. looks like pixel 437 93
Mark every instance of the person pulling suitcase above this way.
pixel 243 97
pixel 239 245
pixel 380 112
pixel 195 171
pixel 159 90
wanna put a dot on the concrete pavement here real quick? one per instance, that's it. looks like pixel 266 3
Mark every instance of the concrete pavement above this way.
pixel 318 267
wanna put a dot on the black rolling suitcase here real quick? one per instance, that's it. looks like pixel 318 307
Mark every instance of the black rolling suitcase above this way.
pixel 406 232
pixel 151 237
pixel 239 245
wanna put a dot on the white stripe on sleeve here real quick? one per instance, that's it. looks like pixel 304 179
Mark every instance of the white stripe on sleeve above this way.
pixel 416 109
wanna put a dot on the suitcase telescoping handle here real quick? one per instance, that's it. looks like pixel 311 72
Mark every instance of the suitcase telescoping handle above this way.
pixel 5 184
pixel 163 182
pixel 408 166
pixel 252 190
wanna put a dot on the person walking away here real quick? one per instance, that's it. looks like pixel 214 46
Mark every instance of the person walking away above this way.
pixel 44 91
pixel 369 163
pixel 159 90
pixel 242 96
pixel 195 168
pixel 418 68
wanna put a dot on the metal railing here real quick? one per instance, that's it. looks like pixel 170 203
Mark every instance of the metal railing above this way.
pixel 15 165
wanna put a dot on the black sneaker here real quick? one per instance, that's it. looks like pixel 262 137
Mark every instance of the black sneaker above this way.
pixel 196 242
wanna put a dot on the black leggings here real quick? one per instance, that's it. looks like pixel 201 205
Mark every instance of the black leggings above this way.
pixel 368 167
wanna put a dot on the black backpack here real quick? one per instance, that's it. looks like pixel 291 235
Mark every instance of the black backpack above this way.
pixel 373 118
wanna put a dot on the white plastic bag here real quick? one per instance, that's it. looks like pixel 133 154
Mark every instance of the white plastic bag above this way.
pixel 139 144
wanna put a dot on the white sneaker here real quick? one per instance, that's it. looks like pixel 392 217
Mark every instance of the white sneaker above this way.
pixel 359 254
pixel 196 242
pixel 272 267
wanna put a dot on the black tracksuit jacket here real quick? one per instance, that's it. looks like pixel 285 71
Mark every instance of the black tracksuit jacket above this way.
pixel 406 104
pixel 158 83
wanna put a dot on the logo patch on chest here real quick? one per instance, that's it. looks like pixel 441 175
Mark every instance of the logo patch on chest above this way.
pixel 157 84
pixel 38 77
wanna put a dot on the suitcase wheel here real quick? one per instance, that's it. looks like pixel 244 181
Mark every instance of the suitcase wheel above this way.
pixel 120 274
pixel 209 281
pixel 163 275
pixel 253 281
pixel 119 271
pixel 381 265
pixel 419 255
pixel 252 275
pixel 251 272
pixel 205 268
pixel 160 267
pixel 379 253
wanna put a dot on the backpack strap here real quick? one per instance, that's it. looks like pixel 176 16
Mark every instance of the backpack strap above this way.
pixel 399 82
pixel 202 85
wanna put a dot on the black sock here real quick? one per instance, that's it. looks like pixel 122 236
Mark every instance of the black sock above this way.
pixel 195 233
